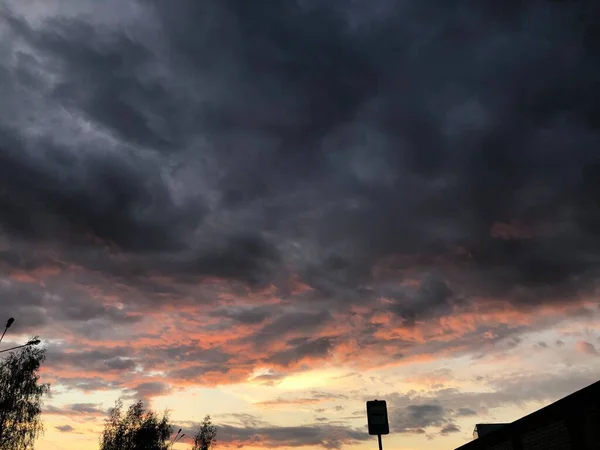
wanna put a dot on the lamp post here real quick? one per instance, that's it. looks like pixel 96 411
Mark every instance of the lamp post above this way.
pixel 9 322
pixel 31 342
pixel 177 438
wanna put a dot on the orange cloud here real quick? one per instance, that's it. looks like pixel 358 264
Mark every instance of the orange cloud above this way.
pixel 587 348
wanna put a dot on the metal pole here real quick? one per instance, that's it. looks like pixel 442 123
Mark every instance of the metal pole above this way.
pixel 33 342
pixel 14 348
pixel 379 442
pixel 9 322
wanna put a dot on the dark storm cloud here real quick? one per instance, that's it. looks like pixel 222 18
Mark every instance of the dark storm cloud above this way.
pixel 245 139
pixel 433 296
pixel 117 99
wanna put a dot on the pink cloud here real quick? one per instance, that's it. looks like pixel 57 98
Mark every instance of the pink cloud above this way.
pixel 587 348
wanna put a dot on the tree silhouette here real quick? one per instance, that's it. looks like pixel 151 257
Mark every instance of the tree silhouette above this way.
pixel 21 398
pixel 206 437
pixel 137 429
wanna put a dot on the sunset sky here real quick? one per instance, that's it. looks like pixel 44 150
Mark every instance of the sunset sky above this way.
pixel 271 211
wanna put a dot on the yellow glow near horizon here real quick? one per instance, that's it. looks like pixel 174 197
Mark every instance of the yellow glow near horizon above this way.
pixel 311 379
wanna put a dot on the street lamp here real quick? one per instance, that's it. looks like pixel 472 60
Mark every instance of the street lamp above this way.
pixel 177 438
pixel 9 322
pixel 29 343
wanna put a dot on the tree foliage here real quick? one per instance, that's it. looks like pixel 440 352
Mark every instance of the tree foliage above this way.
pixel 136 429
pixel 206 437
pixel 21 398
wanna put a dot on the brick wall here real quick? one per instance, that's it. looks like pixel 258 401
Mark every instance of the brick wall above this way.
pixel 501 446
pixel 590 431
pixel 554 436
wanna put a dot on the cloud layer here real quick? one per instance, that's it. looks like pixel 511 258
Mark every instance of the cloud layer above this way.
pixel 229 191
pixel 306 140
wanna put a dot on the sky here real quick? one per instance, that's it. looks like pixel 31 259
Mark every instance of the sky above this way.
pixel 274 211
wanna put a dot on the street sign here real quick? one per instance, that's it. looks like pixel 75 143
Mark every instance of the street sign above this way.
pixel 377 417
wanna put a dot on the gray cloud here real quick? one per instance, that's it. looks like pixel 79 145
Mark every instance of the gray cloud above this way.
pixel 418 412
pixel 186 361
pixel 65 428
pixel 100 359
pixel 86 384
pixel 415 418
pixel 327 395
pixel 432 297
pixel 449 429
pixel 248 316
pixel 297 138
pixel 317 435
pixel 59 302
pixel 465 412
pixel 145 391
pixel 76 410
pixel 88 408
pixel 120 364
pixel 246 420
pixel 196 372
pixel 316 348
pixel 313 398
pixel 307 323
pixel 414 411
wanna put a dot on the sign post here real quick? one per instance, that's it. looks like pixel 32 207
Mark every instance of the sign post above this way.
pixel 377 419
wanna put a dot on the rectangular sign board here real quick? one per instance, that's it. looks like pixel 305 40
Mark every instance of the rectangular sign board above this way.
pixel 377 417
